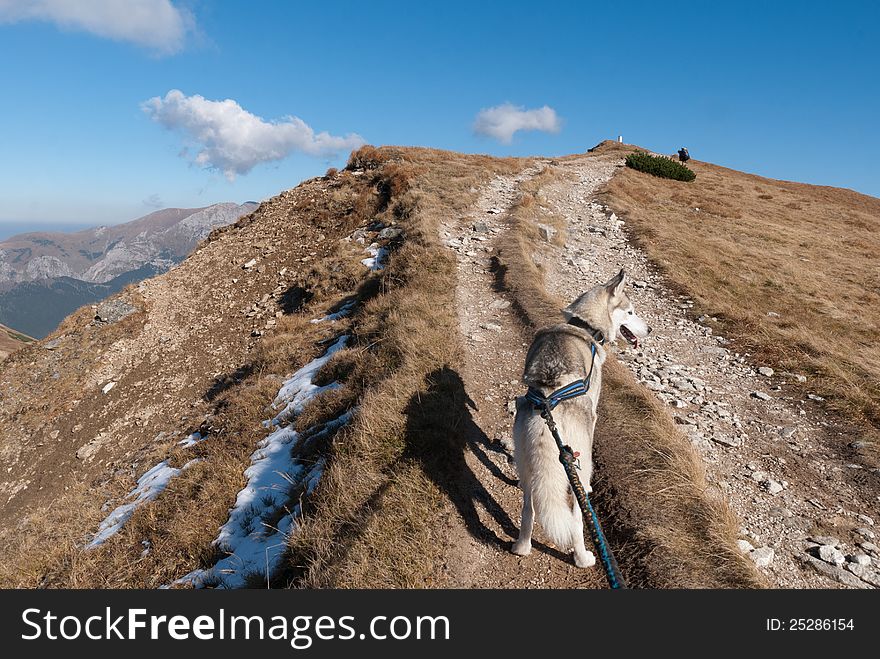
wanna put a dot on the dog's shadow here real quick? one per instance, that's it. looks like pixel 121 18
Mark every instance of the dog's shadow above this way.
pixel 440 428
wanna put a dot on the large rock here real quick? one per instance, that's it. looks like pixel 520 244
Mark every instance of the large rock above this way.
pixel 831 554
pixel 113 311
pixel 838 574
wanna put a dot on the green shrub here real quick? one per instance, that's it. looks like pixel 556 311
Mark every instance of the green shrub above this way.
pixel 659 166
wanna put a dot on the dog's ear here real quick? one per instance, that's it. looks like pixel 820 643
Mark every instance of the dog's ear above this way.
pixel 615 284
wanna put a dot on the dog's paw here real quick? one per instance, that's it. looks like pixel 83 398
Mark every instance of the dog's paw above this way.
pixel 521 548
pixel 586 560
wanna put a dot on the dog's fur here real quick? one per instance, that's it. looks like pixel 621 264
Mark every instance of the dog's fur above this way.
pixel 558 356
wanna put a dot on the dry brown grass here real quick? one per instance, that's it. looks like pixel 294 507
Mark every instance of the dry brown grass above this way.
pixel 669 529
pixel 756 246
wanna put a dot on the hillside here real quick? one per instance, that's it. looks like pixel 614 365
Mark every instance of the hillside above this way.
pixel 324 388
pixel 11 340
pixel 46 275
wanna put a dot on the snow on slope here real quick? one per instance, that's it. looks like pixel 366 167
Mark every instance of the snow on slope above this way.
pixel 254 537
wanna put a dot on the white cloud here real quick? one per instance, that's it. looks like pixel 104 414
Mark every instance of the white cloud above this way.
pixel 154 24
pixel 502 121
pixel 232 140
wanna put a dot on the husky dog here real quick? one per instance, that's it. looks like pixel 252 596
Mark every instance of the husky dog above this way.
pixel 559 355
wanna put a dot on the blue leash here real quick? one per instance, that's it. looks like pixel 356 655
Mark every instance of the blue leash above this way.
pixel 570 463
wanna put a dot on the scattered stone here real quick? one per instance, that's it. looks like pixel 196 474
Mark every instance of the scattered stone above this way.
pixel 481 227
pixel 788 432
pixel 864 518
pixel 763 557
pixel 491 326
pixel 546 232
pixel 815 397
pixel 766 371
pixel 499 304
pixel 250 264
pixel 108 387
pixel 760 395
pixel 53 344
pixel 511 406
pixel 640 284
pixel 868 534
pixel 772 486
pixel 861 559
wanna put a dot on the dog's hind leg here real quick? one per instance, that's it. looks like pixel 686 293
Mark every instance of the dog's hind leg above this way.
pixel 582 557
pixel 523 544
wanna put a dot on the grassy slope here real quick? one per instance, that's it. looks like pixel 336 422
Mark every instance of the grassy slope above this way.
pixel 10 340
pixel 758 247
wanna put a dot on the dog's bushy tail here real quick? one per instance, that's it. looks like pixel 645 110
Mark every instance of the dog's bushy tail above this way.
pixel 537 460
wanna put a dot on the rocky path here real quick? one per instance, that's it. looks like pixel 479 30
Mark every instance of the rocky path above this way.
pixel 481 534
pixel 807 515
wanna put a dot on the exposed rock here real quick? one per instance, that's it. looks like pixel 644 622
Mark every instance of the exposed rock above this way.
pixel 861 559
pixel 772 486
pixel 726 440
pixel 546 232
pixel 113 311
pixel 871 548
pixel 766 371
pixel 390 233
pixel 763 556
pixel 824 540
pixel 744 546
pixel 865 573
pixel 833 572
pixel 760 395
pixel 831 554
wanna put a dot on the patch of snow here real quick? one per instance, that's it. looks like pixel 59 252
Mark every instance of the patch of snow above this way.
pixel 149 486
pixel 192 440
pixel 299 389
pixel 377 257
pixel 255 535
pixel 342 313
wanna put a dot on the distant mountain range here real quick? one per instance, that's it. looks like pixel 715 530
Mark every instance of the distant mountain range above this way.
pixel 44 276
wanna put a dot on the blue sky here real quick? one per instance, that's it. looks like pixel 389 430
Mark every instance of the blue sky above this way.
pixel 786 90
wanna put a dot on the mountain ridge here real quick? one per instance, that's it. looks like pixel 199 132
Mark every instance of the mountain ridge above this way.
pixel 46 275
